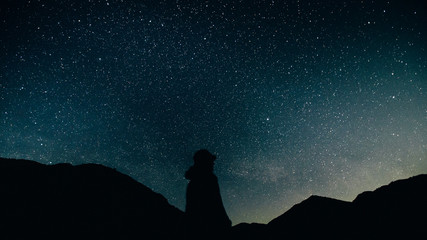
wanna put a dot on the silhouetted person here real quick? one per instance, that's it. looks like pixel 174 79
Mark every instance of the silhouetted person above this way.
pixel 205 213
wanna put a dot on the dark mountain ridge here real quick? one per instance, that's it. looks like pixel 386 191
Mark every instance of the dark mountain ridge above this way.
pixel 92 201
pixel 394 211
pixel 87 201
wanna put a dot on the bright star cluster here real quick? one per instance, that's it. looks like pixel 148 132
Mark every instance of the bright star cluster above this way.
pixel 294 97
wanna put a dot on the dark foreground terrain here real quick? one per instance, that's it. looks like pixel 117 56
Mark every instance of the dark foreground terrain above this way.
pixel 95 202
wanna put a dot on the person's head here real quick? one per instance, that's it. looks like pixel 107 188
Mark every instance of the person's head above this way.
pixel 204 159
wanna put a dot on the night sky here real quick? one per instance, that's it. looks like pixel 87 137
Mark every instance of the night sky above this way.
pixel 294 97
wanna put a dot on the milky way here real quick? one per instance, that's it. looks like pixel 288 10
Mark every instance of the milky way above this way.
pixel 294 97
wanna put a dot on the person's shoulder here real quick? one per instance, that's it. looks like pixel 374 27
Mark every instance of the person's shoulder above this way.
pixel 213 177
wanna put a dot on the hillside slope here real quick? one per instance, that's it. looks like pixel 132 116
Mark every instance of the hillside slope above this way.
pixel 397 210
pixel 88 201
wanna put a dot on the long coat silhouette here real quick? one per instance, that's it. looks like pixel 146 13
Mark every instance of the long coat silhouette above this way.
pixel 206 216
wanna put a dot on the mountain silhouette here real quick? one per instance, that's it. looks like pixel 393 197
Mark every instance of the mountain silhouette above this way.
pixel 87 201
pixel 314 217
pixel 92 201
pixel 394 211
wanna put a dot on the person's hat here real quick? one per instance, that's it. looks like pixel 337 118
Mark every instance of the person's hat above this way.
pixel 203 155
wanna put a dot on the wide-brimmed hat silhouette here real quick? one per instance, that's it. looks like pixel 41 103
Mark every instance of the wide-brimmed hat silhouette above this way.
pixel 203 156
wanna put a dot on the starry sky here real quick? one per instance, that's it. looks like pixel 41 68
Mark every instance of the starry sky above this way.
pixel 294 97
